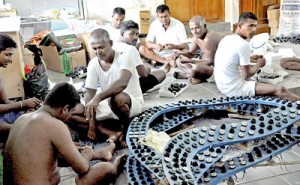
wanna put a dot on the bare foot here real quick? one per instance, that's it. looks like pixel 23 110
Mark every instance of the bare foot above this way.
pixel 122 142
pixel 92 133
pixel 179 75
pixel 166 68
pixel 120 163
pixel 172 63
pixel 194 81
pixel 106 153
pixel 114 136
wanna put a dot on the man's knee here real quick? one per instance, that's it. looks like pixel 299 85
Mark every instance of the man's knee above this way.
pixel 143 49
pixel 120 102
pixel 284 63
pixel 160 75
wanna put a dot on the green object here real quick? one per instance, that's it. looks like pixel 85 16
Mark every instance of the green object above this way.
pixel 66 63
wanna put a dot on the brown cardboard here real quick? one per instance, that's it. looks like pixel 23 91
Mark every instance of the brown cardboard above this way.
pixel 273 17
pixel 274 31
pixel 28 57
pixel 140 16
pixel 9 13
pixel 144 21
pixel 54 61
pixel 84 38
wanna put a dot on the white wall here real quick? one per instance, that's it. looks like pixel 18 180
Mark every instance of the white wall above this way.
pixel 96 9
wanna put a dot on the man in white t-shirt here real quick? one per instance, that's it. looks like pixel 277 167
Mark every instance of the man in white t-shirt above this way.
pixel 233 68
pixel 165 35
pixel 114 27
pixel 120 96
pixel 128 41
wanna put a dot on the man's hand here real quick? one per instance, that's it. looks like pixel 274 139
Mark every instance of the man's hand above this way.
pixel 87 152
pixel 159 47
pixel 31 103
pixel 261 62
pixel 169 46
pixel 90 109
pixel 254 58
pixel 183 59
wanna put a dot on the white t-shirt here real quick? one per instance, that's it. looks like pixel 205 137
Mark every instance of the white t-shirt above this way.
pixel 175 34
pixel 96 75
pixel 132 51
pixel 114 33
pixel 233 52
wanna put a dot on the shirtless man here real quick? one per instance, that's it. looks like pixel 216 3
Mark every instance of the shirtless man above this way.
pixel 233 69
pixel 193 69
pixel 10 110
pixel 37 138
pixel 290 63
pixel 165 36
pixel 119 96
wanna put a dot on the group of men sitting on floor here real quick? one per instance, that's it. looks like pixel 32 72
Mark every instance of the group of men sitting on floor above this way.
pixel 35 140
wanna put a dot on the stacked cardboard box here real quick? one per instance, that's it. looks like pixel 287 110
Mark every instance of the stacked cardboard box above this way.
pixel 273 17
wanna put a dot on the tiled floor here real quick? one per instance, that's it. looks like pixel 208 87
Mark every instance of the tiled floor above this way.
pixel 275 175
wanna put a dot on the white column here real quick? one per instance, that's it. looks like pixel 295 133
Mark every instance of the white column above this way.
pixel 232 11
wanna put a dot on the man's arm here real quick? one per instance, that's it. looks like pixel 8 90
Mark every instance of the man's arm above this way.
pixel 152 45
pixel 61 139
pixel 248 71
pixel 89 94
pixel 7 106
pixel 115 88
pixel 142 70
pixel 209 55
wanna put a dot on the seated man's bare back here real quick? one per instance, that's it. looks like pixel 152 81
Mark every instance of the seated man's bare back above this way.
pixel 36 139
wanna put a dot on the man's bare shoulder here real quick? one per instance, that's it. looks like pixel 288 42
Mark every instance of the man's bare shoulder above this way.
pixel 213 36
pixel 40 119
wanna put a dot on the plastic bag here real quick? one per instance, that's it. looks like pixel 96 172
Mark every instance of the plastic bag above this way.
pixel 36 82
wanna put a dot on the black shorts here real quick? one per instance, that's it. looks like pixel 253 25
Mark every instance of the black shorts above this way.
pixel 148 82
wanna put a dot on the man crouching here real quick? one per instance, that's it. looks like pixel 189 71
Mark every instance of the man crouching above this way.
pixel 36 139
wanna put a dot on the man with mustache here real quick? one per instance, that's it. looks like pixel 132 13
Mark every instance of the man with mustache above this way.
pixel 194 69
pixel 233 69
pixel 10 110
pixel 127 43
pixel 165 36
pixel 119 96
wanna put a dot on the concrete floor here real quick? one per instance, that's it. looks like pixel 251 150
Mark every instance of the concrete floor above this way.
pixel 275 175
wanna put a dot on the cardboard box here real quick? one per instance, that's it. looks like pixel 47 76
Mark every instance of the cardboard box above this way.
pixel 144 22
pixel 28 57
pixel 54 61
pixel 274 31
pixel 84 38
pixel 9 13
pixel 273 18
pixel 140 16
